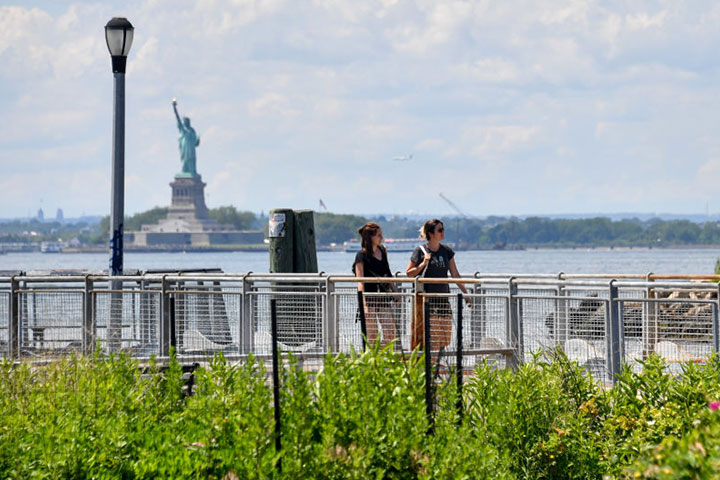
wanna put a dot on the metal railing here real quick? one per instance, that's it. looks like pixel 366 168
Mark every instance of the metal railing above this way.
pixel 600 321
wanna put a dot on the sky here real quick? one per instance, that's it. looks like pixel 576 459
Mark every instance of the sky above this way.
pixel 507 107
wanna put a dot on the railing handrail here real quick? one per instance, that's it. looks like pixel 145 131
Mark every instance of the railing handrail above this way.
pixel 160 310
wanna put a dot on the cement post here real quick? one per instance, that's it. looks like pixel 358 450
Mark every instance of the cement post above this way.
pixel 88 335
pixel 513 326
pixel 14 324
pixel 164 318
pixel 614 333
pixel 246 319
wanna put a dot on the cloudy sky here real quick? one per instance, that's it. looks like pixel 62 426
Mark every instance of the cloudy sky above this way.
pixel 508 107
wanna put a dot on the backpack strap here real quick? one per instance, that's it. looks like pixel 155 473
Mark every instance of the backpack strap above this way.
pixel 422 248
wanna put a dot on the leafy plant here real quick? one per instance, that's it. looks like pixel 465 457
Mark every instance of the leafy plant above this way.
pixel 361 416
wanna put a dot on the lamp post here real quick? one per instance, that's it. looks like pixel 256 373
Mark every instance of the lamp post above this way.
pixel 119 37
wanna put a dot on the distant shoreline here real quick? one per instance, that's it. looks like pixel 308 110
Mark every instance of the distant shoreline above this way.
pixel 172 249
pixel 325 248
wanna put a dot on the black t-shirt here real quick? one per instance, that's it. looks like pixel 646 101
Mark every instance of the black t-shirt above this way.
pixel 372 267
pixel 437 268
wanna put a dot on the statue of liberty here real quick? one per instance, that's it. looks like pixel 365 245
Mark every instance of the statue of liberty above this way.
pixel 187 142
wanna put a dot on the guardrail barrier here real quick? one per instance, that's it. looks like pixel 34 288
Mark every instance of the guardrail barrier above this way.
pixel 600 321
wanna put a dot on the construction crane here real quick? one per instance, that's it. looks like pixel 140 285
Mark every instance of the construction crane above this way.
pixel 455 207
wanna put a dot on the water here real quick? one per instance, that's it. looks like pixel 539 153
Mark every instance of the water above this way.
pixel 641 261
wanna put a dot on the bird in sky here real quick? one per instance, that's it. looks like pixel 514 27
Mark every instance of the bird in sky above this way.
pixel 405 158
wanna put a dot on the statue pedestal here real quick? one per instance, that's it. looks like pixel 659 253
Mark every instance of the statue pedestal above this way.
pixel 188 199
pixel 188 221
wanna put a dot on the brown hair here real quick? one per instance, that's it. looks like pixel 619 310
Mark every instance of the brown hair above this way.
pixel 366 232
pixel 430 227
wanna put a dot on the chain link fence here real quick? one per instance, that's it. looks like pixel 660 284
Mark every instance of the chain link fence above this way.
pixel 4 324
pixel 50 319
pixel 505 320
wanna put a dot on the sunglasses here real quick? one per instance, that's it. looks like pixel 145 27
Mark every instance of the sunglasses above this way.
pixel 440 230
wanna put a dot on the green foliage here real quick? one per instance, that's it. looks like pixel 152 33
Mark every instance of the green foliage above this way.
pixel 465 232
pixel 362 416
pixel 541 231
pixel 145 218
pixel 241 220
pixel 134 222
pixel 536 417
pixel 30 231
pixel 335 228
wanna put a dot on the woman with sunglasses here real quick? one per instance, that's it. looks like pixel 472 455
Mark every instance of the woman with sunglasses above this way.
pixel 433 260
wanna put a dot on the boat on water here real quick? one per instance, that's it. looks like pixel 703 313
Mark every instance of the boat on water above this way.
pixel 51 247
pixel 392 244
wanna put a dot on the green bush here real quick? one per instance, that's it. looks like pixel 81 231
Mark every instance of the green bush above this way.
pixel 362 416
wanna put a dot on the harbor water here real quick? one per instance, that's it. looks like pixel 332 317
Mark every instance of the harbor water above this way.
pixel 597 261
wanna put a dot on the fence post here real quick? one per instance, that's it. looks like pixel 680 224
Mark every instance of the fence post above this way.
pixel 246 320
pixel 428 368
pixel 165 314
pixel 115 320
pixel 561 313
pixel 459 356
pixel 649 321
pixel 330 317
pixel 276 379
pixel 478 316
pixel 172 302
pixel 613 333
pixel 361 314
pixel 514 326
pixel 14 325
pixel 716 323
pixel 88 337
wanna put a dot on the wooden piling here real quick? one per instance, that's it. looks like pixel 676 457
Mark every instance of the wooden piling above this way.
pixel 281 234
pixel 304 252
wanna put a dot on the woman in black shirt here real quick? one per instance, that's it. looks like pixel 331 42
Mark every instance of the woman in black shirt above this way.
pixel 434 260
pixel 372 261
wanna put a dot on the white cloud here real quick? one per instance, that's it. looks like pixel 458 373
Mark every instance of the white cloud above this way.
pixel 512 105
pixel 271 104
pixel 493 70
pixel 500 138
pixel 644 21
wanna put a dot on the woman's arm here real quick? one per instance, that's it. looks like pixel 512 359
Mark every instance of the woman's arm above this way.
pixel 455 274
pixel 413 269
pixel 360 272
pixel 393 286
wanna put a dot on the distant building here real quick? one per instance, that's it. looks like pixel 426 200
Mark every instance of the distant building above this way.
pixel 40 215
pixel 59 215
pixel 188 222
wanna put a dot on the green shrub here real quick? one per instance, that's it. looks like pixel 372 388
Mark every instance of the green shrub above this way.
pixel 362 416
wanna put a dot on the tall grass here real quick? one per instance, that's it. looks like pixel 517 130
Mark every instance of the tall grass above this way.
pixel 362 416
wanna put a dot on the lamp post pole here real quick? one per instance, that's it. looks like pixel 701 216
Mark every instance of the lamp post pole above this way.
pixel 119 37
pixel 117 202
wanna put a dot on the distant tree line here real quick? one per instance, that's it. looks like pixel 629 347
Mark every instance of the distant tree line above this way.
pixel 468 233
pixel 34 230
pixel 536 231
pixel 226 215
pixel 503 232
